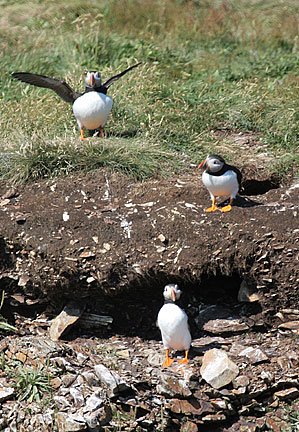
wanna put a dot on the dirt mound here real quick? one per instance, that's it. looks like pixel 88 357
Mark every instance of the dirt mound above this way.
pixel 113 243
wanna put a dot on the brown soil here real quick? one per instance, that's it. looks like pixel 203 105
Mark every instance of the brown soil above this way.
pixel 114 243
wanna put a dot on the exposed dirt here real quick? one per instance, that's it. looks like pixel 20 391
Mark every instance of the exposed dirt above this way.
pixel 112 244
pixel 98 236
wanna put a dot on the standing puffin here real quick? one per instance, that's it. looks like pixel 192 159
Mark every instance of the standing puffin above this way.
pixel 90 108
pixel 221 180
pixel 173 323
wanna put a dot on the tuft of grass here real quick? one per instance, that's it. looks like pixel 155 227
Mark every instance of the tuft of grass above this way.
pixel 206 66
pixel 3 324
pixel 36 157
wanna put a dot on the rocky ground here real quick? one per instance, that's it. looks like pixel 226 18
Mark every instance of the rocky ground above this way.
pixel 95 252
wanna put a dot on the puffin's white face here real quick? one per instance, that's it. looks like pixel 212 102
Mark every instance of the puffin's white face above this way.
pixel 172 292
pixel 93 79
pixel 213 163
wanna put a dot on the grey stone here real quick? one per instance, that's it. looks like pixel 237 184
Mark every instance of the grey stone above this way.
pixel 219 326
pixel 111 379
pixel 70 314
pixel 253 355
pixel 171 385
pixel 70 422
pixel 217 369
pixel 77 396
pixel 6 393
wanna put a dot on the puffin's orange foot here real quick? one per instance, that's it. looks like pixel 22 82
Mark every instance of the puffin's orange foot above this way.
pixel 226 208
pixel 211 209
pixel 82 135
pixel 102 132
pixel 185 360
pixel 168 362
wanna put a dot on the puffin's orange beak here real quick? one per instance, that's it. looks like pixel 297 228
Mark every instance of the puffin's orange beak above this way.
pixel 173 294
pixel 202 164
pixel 92 80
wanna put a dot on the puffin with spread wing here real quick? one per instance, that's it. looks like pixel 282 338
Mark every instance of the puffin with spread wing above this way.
pixel 90 108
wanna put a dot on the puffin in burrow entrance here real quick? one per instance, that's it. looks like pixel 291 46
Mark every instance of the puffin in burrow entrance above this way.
pixel 221 180
pixel 173 324
pixel 90 108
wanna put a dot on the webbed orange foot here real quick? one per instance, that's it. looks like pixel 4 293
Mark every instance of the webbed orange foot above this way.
pixel 226 208
pixel 168 361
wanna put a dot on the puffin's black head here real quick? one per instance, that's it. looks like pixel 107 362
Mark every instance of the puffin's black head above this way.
pixel 213 163
pixel 93 79
pixel 172 292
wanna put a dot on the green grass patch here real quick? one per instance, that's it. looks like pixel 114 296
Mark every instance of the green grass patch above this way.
pixel 206 66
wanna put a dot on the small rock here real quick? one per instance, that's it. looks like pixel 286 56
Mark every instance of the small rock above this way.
pixel 213 418
pixel 162 238
pixel 246 293
pixel 70 314
pixel 217 369
pixel 189 427
pixel 219 326
pixel 6 393
pixel 93 402
pixel 290 325
pixel 111 379
pixel 77 396
pixel 290 393
pixel 65 216
pixel 24 279
pixel 171 385
pixel 241 381
pixel 253 355
pixel 188 407
pixel 99 417
pixel 70 422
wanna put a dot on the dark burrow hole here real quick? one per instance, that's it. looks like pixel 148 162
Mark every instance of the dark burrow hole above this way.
pixel 253 187
pixel 134 310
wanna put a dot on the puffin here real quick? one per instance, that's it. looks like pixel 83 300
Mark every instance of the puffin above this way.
pixel 91 108
pixel 173 324
pixel 221 180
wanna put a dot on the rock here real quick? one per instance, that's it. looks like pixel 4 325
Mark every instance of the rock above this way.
pixel 241 381
pixel 171 385
pixel 6 393
pixel 220 326
pixel 77 396
pixel 61 402
pixel 217 369
pixel 213 418
pixel 188 407
pixel 290 325
pixel 290 393
pixel 111 379
pixel 247 293
pixel 94 402
pixel 70 314
pixel 99 417
pixel 253 355
pixel 189 427
pixel 70 422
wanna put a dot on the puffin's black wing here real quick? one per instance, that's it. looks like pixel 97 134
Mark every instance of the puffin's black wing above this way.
pixel 60 87
pixel 110 81
pixel 239 175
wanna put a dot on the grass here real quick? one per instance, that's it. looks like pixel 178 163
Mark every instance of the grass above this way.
pixel 206 67
pixel 32 384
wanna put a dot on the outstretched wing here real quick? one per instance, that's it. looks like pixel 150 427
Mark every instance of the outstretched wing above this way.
pixel 110 81
pixel 60 87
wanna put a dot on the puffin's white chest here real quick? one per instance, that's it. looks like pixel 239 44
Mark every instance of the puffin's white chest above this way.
pixel 173 323
pixel 92 110
pixel 223 185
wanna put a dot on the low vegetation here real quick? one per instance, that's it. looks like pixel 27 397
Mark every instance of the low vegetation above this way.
pixel 209 70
